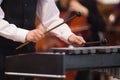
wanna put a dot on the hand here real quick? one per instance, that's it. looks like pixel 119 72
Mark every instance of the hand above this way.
pixel 35 35
pixel 74 39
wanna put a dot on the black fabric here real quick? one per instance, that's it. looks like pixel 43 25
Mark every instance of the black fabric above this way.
pixel 21 13
pixel 95 19
pixel 2 66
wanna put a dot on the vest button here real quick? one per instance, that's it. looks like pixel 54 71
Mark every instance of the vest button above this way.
pixel 25 5
pixel 26 20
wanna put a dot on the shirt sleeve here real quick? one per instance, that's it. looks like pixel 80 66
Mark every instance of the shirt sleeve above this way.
pixel 49 16
pixel 1 1
pixel 10 31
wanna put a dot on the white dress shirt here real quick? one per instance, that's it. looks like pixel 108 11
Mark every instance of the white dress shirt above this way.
pixel 49 16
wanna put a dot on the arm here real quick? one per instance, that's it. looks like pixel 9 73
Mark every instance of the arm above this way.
pixel 49 16
pixel 10 31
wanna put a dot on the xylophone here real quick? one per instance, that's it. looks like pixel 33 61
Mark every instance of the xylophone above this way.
pixel 55 63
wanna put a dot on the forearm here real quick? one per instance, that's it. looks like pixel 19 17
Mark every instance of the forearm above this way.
pixel 10 31
pixel 50 18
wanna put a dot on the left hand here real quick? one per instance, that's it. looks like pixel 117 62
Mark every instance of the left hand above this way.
pixel 74 39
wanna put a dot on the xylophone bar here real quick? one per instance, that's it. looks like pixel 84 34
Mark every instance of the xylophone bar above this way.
pixel 35 65
pixel 88 50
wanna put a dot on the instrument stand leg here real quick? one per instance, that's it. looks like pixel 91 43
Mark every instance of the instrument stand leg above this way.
pixel 83 75
pixel 96 75
pixel 87 75
pixel 2 66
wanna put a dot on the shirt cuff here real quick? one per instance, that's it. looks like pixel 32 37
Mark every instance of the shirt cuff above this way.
pixel 66 35
pixel 21 35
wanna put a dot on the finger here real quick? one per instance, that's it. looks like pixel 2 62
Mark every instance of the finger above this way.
pixel 79 38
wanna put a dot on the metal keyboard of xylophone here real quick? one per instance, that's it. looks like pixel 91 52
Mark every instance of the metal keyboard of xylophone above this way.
pixel 88 50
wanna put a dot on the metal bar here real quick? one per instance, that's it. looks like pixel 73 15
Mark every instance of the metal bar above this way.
pixel 34 75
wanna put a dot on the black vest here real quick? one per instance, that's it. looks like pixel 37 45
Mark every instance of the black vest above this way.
pixel 21 13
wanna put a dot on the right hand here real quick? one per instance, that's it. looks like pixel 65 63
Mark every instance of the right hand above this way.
pixel 35 35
